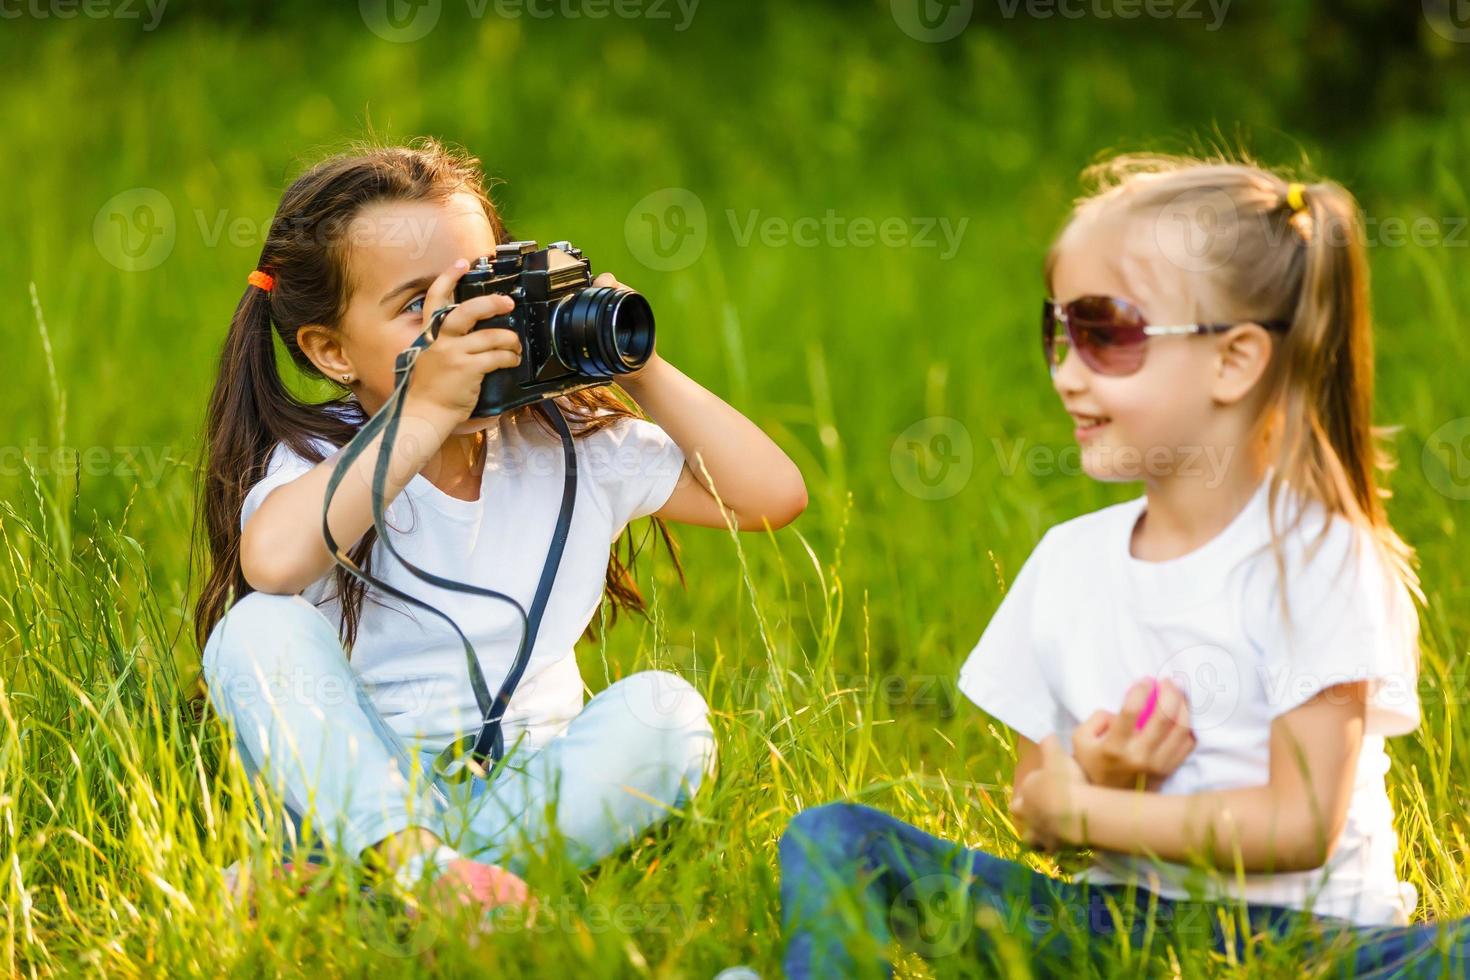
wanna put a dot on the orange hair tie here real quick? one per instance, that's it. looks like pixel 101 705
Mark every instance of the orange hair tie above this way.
pixel 262 279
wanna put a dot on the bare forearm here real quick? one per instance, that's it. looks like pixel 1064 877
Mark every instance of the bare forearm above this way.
pixel 1252 828
pixel 282 549
pixel 725 451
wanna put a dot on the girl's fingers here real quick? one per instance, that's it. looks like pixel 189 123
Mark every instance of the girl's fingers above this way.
pixel 1097 722
pixel 1172 751
pixel 1133 703
pixel 1181 713
pixel 464 316
pixel 1165 717
pixel 492 338
pixel 495 360
pixel 441 293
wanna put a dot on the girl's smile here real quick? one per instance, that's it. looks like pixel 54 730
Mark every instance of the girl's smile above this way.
pixel 1088 426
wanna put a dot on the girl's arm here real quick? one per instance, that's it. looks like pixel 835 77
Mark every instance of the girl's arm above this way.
pixel 1290 824
pixel 281 547
pixel 756 481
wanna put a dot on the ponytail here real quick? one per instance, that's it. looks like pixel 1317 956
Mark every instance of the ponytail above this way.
pixel 1329 443
pixel 250 410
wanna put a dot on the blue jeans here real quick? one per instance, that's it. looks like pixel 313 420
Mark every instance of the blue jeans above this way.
pixel 277 672
pixel 853 878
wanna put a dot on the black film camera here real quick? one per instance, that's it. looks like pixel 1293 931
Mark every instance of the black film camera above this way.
pixel 573 334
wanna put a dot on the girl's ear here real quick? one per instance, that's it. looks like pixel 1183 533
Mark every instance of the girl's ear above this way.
pixel 1242 355
pixel 323 347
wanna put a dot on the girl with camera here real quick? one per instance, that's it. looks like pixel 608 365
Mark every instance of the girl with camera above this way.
pixel 341 697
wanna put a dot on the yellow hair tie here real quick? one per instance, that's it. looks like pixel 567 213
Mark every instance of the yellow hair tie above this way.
pixel 1295 198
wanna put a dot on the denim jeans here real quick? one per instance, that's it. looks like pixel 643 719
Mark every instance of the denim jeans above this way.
pixel 853 878
pixel 277 672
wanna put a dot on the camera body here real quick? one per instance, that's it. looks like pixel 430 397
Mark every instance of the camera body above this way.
pixel 573 334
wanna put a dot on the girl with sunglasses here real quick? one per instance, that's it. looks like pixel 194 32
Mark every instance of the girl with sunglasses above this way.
pixel 1201 679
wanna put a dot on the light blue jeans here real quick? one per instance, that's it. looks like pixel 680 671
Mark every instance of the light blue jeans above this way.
pixel 278 674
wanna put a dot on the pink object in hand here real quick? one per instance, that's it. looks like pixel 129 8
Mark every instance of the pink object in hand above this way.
pixel 1148 706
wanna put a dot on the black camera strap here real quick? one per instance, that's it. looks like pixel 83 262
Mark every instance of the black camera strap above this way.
pixel 488 745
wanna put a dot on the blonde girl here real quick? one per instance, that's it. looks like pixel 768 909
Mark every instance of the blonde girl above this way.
pixel 1201 679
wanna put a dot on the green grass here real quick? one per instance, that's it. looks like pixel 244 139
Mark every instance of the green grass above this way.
pixel 829 650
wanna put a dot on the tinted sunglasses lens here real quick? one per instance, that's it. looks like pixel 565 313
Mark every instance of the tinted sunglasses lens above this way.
pixel 1049 334
pixel 1108 334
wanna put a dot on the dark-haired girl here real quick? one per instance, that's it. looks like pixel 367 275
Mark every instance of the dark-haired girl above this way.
pixel 363 248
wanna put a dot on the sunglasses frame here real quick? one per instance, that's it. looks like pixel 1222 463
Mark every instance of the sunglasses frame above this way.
pixel 1053 312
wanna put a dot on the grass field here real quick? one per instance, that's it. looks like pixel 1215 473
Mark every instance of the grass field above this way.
pixel 145 165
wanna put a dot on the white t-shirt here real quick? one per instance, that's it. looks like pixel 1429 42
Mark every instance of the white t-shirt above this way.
pixel 410 662
pixel 1084 619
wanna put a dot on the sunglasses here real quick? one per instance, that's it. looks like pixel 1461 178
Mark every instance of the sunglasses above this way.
pixel 1111 335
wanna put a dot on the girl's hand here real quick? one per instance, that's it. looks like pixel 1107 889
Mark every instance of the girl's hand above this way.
pixel 608 279
pixel 1113 751
pixel 449 372
pixel 1042 803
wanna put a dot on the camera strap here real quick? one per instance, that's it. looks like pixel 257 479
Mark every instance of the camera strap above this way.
pixel 488 745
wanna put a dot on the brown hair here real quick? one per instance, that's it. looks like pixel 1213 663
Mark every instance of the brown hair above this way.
pixel 251 409
pixel 1262 260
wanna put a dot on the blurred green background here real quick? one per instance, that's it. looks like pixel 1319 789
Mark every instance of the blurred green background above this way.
pixel 721 157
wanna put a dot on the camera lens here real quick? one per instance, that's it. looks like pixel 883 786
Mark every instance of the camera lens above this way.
pixel 603 330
